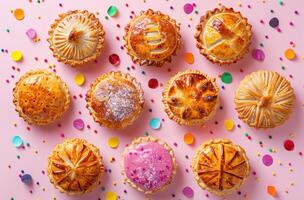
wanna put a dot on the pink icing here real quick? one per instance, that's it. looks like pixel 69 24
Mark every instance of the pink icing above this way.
pixel 149 165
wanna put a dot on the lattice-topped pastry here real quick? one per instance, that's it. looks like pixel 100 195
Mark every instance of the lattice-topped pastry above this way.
pixel 223 35
pixel 152 38
pixel 115 100
pixel 220 166
pixel 191 98
pixel 264 99
pixel 76 38
pixel 75 166
pixel 41 97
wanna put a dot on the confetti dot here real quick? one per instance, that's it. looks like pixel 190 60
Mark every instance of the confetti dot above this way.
pixel 112 11
pixel 189 58
pixel 19 14
pixel 114 59
pixel 188 8
pixel 290 54
pixel 31 34
pixel 155 123
pixel 79 79
pixel 16 56
pixel 189 138
pixel 229 124
pixel 17 141
pixel 26 178
pixel 271 190
pixel 188 192
pixel 274 22
pixel 110 196
pixel 113 142
pixel 153 83
pixel 258 54
pixel 267 160
pixel 78 124
pixel 289 145
pixel 226 77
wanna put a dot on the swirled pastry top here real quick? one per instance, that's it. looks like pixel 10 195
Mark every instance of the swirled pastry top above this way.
pixel 41 97
pixel 191 97
pixel 264 99
pixel 77 37
pixel 151 38
pixel 220 166
pixel 223 35
pixel 75 166
pixel 115 100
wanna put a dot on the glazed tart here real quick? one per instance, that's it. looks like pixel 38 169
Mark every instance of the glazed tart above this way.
pixel 152 38
pixel 223 36
pixel 149 165
pixel 41 97
pixel 191 98
pixel 75 166
pixel 220 166
pixel 115 100
pixel 76 37
pixel 264 99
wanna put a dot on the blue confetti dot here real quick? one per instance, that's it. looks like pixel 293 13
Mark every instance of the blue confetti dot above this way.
pixel 155 123
pixel 17 141
pixel 26 178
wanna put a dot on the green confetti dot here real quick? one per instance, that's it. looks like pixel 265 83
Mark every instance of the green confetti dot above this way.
pixel 280 2
pixel 246 134
pixel 106 17
pixel 112 11
pixel 226 77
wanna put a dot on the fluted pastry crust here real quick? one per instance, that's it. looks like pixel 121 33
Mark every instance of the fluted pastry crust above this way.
pixel 41 97
pixel 191 98
pixel 223 36
pixel 264 99
pixel 152 38
pixel 75 166
pixel 220 166
pixel 115 100
pixel 76 37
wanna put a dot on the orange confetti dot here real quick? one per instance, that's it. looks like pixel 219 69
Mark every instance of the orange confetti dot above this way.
pixel 271 190
pixel 189 58
pixel 290 54
pixel 19 14
pixel 189 138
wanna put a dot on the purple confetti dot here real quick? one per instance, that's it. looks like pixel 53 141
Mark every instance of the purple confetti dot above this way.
pixel 188 192
pixel 78 124
pixel 267 160
pixel 258 54
pixel 188 8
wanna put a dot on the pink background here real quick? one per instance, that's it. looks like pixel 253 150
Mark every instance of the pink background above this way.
pixel 43 139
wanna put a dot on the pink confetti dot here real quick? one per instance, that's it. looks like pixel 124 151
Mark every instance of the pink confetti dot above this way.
pixel 188 8
pixel 258 54
pixel 78 124
pixel 267 160
pixel 188 192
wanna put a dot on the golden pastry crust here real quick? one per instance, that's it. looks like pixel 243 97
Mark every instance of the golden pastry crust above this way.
pixel 191 98
pixel 152 38
pixel 115 100
pixel 41 97
pixel 223 36
pixel 142 140
pixel 76 37
pixel 220 166
pixel 264 99
pixel 75 166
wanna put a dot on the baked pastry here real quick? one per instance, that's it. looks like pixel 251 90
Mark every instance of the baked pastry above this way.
pixel 191 98
pixel 115 100
pixel 76 37
pixel 264 99
pixel 41 97
pixel 223 36
pixel 149 165
pixel 220 166
pixel 75 166
pixel 152 38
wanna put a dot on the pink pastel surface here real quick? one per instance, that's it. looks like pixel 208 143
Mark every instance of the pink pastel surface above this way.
pixel 288 177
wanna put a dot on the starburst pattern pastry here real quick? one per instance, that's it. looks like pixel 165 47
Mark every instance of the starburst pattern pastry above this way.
pixel 220 166
pixel 75 166
pixel 264 99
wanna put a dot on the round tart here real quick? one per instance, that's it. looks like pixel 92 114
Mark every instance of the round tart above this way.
pixel 149 165
pixel 75 166
pixel 41 97
pixel 152 38
pixel 223 36
pixel 115 100
pixel 264 99
pixel 76 37
pixel 220 166
pixel 191 98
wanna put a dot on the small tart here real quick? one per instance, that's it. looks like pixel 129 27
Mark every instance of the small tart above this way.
pixel 75 166
pixel 76 37
pixel 41 97
pixel 264 99
pixel 191 98
pixel 220 166
pixel 149 165
pixel 152 38
pixel 223 36
pixel 115 100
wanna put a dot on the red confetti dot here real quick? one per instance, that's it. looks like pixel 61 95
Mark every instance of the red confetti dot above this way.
pixel 153 83
pixel 289 145
pixel 114 59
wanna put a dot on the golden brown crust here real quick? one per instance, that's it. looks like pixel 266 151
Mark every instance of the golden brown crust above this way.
pixel 139 141
pixel 191 98
pixel 152 38
pixel 75 166
pixel 223 36
pixel 41 97
pixel 76 37
pixel 220 166
pixel 115 100
pixel 264 99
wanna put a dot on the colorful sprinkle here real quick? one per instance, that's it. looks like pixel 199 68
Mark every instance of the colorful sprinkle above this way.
pixel 271 190
pixel 16 56
pixel 153 83
pixel 26 178
pixel 289 145
pixel 258 54
pixel 229 124
pixel 31 34
pixel 189 58
pixel 79 79
pixel 113 142
pixel 114 59
pixel 155 123
pixel 19 14
pixel 274 22
pixel 78 124
pixel 189 138
pixel 188 8
pixel 17 141
pixel 188 192
pixel 226 77
pixel 290 54
pixel 112 11
pixel 267 160
pixel 110 196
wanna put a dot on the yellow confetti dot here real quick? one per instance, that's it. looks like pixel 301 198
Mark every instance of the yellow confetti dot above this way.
pixel 113 142
pixel 290 54
pixel 19 14
pixel 229 124
pixel 16 56
pixel 189 138
pixel 110 196
pixel 79 79
pixel 189 58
